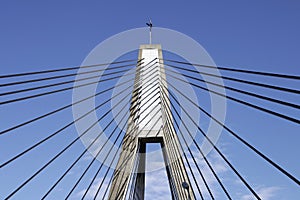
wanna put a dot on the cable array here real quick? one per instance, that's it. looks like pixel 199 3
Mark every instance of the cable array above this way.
pixel 54 83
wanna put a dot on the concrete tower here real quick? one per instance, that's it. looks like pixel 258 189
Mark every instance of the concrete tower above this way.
pixel 150 122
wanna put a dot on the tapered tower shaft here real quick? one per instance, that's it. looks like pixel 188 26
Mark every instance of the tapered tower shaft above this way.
pixel 150 121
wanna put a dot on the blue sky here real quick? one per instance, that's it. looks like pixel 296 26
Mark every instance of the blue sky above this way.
pixel 255 35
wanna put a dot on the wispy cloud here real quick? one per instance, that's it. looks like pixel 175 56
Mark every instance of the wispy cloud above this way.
pixel 157 185
pixel 92 191
pixel 265 193
pixel 219 167
pixel 227 177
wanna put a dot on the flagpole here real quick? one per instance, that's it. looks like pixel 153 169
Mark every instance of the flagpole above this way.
pixel 150 31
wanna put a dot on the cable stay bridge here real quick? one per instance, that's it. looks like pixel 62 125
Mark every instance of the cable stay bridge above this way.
pixel 152 107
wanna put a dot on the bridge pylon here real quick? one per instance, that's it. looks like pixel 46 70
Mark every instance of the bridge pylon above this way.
pixel 150 121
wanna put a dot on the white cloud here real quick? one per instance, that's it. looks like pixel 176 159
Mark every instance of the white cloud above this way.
pixel 93 189
pixel 227 177
pixel 265 193
pixel 219 166
pixel 157 186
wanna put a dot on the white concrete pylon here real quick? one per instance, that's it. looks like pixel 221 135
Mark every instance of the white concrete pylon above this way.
pixel 150 121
